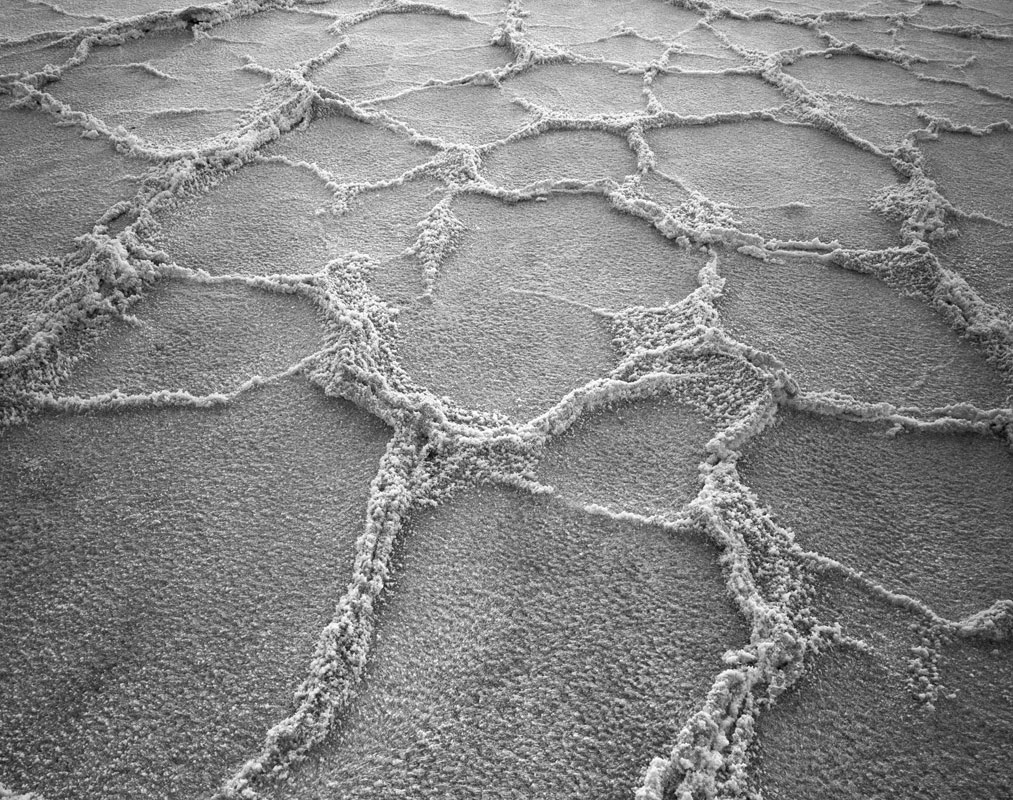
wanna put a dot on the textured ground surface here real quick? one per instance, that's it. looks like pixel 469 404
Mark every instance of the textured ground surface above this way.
pixel 486 399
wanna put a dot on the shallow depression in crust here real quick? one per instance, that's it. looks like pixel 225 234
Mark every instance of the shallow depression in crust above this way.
pixel 559 21
pixel 351 151
pixel 23 19
pixel 264 220
pixel 279 39
pixel 693 94
pixel 573 91
pixel 560 156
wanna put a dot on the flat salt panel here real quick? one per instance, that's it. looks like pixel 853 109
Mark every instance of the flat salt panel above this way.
pixel 969 14
pixel 626 49
pixel 925 515
pixel 509 326
pixel 567 22
pixel 579 90
pixel 642 457
pixel 870 33
pixel 836 329
pixel 984 64
pixel 981 255
pixel 200 339
pixel 278 39
pixel 755 166
pixel 884 126
pixel 767 36
pixel 119 8
pixel 460 114
pixel 20 19
pixel 851 731
pixel 274 218
pixel 31 58
pixel 260 220
pixel 973 172
pixel 199 83
pixel 703 95
pixel 560 155
pixel 352 151
pixel 393 52
pixel 862 77
pixel 810 8
pixel 384 222
pixel 490 349
pixel 486 10
pixel 575 246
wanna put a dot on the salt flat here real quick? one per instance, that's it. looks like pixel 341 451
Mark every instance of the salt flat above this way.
pixel 506 399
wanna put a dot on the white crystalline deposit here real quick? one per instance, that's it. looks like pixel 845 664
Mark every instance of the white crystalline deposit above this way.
pixel 735 274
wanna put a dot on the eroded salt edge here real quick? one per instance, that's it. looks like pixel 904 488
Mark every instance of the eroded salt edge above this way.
pixel 679 350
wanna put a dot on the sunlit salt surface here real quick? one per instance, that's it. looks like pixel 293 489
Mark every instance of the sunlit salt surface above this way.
pixel 350 151
pixel 621 48
pixel 505 399
pixel 278 217
pixel 32 56
pixel 284 234
pixel 952 158
pixel 700 94
pixel 580 91
pixel 277 39
pixel 470 114
pixel 767 36
pixel 869 78
pixel 560 22
pixel 23 19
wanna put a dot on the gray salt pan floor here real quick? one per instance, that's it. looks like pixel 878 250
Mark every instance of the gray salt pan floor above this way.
pixel 553 398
